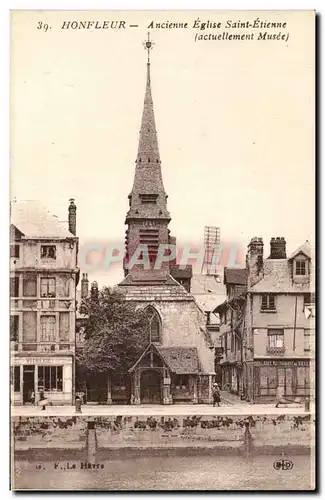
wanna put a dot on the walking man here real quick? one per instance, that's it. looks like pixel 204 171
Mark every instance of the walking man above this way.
pixel 216 394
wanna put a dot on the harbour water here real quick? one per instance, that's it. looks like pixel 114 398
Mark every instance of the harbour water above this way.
pixel 166 473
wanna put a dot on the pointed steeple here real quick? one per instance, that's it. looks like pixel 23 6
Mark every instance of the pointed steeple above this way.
pixel 148 142
pixel 148 198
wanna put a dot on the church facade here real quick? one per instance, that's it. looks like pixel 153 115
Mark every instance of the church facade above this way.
pixel 178 363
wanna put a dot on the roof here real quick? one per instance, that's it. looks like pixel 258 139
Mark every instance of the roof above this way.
pixel 208 291
pixel 151 293
pixel 33 220
pixel 180 360
pixel 177 272
pixel 234 276
pixel 277 279
pixel 305 248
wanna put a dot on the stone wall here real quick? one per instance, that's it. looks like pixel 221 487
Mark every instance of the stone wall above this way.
pixel 49 432
pixel 260 433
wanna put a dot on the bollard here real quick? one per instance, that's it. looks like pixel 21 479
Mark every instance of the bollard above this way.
pixel 307 404
pixel 78 405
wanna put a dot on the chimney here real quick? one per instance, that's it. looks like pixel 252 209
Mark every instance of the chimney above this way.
pixel 72 217
pixel 94 290
pixel 84 286
pixel 278 248
pixel 254 260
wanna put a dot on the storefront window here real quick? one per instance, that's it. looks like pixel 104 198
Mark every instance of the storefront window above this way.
pixel 268 380
pixel 50 378
pixel 15 373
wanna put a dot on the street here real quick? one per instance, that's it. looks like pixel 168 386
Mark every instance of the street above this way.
pixel 230 405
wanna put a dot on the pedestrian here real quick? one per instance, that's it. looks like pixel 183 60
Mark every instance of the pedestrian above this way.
pixel 279 396
pixel 216 394
pixel 43 402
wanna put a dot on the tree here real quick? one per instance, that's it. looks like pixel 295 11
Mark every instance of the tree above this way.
pixel 116 332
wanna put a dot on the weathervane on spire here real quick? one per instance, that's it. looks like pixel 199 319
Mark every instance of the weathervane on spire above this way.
pixel 148 44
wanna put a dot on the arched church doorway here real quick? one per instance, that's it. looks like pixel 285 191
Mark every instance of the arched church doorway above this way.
pixel 151 387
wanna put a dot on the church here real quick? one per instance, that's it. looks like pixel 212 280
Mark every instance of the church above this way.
pixel 178 364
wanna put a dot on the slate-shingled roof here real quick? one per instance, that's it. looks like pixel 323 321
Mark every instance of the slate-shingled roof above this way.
pixel 234 276
pixel 180 360
pixel 33 220
pixel 277 279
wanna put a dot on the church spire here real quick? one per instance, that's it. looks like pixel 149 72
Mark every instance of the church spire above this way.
pixel 148 197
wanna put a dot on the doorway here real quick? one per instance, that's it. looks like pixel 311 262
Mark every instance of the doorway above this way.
pixel 96 386
pixel 285 379
pixel 28 384
pixel 150 385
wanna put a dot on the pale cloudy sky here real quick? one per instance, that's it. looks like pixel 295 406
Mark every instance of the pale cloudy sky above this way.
pixel 235 124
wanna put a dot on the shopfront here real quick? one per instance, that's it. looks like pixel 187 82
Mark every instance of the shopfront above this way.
pixel 32 375
pixel 292 375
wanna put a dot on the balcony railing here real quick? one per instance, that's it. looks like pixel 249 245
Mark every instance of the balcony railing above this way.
pixel 277 351
pixel 44 347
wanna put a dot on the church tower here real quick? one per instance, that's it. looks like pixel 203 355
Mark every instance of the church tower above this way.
pixel 148 218
pixel 178 363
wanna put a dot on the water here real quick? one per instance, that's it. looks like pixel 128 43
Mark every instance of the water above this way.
pixel 168 473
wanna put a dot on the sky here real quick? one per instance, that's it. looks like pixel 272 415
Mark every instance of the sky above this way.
pixel 235 124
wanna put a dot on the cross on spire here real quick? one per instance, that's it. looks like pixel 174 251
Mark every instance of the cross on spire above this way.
pixel 148 44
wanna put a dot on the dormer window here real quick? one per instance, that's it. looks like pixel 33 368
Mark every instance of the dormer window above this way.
pixel 300 267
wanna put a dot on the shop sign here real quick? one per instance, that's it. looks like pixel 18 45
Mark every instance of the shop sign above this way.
pixel 18 360
pixel 282 363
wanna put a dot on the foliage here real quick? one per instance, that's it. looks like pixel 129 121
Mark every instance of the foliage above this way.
pixel 116 332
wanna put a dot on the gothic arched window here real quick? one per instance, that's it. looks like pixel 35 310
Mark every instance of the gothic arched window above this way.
pixel 154 324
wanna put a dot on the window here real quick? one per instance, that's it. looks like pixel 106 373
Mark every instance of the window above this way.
pixel 268 381
pixel 29 326
pixel 309 298
pixel 16 378
pixel 268 302
pixel 29 285
pixel 14 286
pixel 300 266
pixel 47 287
pixel 307 340
pixel 154 324
pixel 48 330
pixel 181 381
pixel 232 338
pixel 48 252
pixel 14 251
pixel 276 338
pixel 14 328
pixel 63 285
pixel 64 326
pixel 50 378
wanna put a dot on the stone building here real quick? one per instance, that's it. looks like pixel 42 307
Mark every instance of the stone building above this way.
pixel 268 323
pixel 43 279
pixel 278 333
pixel 178 364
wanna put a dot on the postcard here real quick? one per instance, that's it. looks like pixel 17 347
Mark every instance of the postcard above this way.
pixel 162 250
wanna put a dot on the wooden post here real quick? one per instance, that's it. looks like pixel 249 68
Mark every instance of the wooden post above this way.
pixel 109 389
pixel 195 395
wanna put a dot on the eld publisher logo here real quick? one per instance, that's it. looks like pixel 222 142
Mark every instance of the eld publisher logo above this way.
pixel 283 465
